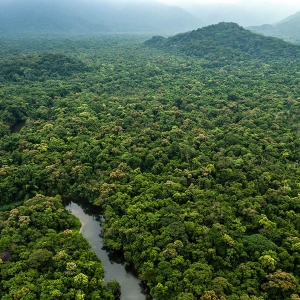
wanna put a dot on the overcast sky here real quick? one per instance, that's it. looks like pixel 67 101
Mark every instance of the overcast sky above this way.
pixel 278 3
pixel 291 4
pixel 262 11
pixel 295 3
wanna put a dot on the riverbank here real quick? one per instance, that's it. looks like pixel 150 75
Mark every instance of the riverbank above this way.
pixel 114 265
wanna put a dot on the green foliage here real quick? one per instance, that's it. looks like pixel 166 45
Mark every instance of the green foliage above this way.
pixel 114 287
pixel 257 242
pixel 226 43
pixel 47 263
pixel 194 160
pixel 39 67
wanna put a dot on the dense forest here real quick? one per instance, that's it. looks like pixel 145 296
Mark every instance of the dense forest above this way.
pixel 193 156
pixel 48 258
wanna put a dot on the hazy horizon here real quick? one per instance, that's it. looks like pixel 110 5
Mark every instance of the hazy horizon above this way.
pixel 260 11
pixel 244 12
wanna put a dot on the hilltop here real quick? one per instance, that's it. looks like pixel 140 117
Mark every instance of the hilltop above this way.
pixel 224 43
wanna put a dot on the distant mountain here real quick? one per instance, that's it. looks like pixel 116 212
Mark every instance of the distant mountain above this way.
pixel 213 13
pixel 155 17
pixel 41 17
pixel 226 43
pixel 244 13
pixel 287 29
pixel 82 17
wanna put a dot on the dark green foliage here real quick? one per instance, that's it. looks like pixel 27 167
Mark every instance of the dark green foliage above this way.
pixel 257 242
pixel 196 166
pixel 226 43
pixel 40 67
pixel 44 260
pixel 114 287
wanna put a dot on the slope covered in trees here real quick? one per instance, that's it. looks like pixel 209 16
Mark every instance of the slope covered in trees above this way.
pixel 226 44
pixel 196 165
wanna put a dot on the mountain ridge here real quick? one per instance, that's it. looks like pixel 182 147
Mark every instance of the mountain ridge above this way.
pixel 287 29
pixel 225 42
pixel 18 18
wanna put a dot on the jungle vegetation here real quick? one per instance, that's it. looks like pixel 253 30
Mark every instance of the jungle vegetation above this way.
pixel 193 156
pixel 45 256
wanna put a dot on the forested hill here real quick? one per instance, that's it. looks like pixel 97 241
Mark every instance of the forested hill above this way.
pixel 226 43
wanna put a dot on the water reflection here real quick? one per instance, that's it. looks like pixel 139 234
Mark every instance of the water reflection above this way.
pixel 113 261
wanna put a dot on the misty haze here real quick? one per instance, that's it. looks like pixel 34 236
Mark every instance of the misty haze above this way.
pixel 94 17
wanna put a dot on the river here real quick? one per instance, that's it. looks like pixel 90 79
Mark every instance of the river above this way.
pixel 114 265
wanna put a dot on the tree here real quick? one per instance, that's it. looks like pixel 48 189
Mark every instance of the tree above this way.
pixel 280 283
pixel 114 287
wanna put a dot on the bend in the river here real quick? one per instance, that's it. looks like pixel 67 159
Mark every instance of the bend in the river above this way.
pixel 114 265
